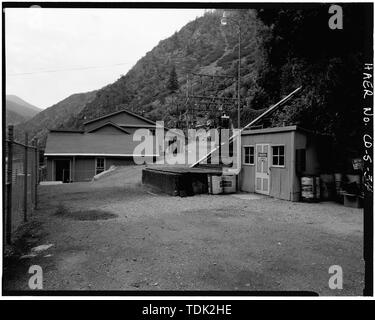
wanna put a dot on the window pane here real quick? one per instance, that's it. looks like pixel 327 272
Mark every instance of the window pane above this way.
pixel 281 151
pixel 274 160
pixel 246 154
pixel 252 151
pixel 275 151
pixel 281 160
pixel 247 158
pixel 252 159
pixel 100 162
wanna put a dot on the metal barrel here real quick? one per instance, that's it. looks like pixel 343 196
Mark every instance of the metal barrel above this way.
pixel 310 189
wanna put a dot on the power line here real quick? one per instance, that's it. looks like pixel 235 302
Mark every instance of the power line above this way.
pixel 67 69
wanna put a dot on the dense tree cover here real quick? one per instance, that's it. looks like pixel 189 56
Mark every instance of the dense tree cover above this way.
pixel 302 50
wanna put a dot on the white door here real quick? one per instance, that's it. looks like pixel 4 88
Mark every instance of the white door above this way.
pixel 262 172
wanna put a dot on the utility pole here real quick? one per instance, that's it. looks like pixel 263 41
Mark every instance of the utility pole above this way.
pixel 224 21
pixel 239 80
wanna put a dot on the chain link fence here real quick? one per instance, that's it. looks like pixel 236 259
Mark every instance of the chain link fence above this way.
pixel 21 181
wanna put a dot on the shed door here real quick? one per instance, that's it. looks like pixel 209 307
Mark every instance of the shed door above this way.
pixel 262 173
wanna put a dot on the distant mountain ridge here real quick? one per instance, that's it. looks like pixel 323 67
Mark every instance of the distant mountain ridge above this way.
pixel 18 110
pixel 18 100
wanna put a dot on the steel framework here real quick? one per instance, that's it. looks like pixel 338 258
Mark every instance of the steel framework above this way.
pixel 202 102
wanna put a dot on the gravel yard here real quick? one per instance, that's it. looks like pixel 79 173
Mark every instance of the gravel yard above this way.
pixel 115 234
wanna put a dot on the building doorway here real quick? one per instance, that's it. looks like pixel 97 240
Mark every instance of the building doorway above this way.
pixel 62 170
pixel 262 174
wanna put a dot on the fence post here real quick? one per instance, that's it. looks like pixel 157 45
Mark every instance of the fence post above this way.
pixel 25 163
pixel 36 173
pixel 9 185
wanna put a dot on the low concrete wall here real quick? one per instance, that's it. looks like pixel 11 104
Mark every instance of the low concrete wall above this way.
pixel 174 183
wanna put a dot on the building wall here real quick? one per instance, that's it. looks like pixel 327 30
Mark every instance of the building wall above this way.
pixel 108 130
pixel 310 144
pixel 281 179
pixel 49 169
pixel 85 166
pixel 84 169
pixel 118 162
pixel 131 130
pixel 121 118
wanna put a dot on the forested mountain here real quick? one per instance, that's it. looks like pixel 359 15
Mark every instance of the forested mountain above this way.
pixel 14 118
pixel 202 46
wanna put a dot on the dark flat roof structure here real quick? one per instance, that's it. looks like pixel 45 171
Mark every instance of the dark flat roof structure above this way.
pixel 275 130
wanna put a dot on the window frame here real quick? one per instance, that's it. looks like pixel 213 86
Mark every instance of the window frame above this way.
pixel 278 156
pixel 244 155
pixel 96 165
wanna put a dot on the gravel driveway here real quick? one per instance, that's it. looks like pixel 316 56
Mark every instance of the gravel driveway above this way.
pixel 115 234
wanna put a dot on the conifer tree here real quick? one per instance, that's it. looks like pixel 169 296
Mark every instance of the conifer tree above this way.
pixel 172 81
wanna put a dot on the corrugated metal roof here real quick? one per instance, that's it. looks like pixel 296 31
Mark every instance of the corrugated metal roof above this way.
pixel 61 143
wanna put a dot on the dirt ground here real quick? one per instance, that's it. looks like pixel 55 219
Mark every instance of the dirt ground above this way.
pixel 115 234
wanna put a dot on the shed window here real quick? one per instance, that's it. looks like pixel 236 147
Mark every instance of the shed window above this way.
pixel 99 165
pixel 249 155
pixel 278 156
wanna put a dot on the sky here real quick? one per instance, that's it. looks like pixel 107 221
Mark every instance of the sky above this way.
pixel 53 53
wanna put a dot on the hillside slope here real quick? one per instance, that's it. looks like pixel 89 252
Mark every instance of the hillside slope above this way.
pixel 14 118
pixel 202 46
pixel 18 100
pixel 18 110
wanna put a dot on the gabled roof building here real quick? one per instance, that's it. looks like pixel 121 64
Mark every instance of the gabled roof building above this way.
pixel 73 155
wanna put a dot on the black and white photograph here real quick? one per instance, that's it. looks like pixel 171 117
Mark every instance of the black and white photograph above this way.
pixel 187 149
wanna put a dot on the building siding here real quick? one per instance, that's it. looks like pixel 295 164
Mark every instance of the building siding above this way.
pixel 84 168
pixel 49 170
pixel 119 119
pixel 281 185
pixel 108 130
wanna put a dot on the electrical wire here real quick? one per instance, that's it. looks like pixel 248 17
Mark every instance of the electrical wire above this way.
pixel 67 69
